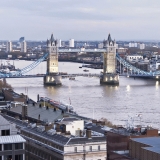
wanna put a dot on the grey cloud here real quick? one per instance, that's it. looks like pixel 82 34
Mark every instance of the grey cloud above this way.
pixel 84 19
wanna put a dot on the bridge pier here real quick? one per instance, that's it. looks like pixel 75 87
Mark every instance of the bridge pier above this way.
pixel 109 79
pixel 52 80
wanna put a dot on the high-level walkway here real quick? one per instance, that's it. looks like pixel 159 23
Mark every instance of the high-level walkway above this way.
pixel 133 71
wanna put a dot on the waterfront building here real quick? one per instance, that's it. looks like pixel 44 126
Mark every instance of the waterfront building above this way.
pixel 12 146
pixel 23 46
pixel 9 46
pixel 71 43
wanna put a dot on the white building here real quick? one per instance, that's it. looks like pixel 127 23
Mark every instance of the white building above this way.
pixel 132 44
pixel 59 43
pixel 134 57
pixel 9 46
pixel 142 46
pixel 71 43
pixel 24 46
pixel 12 145
pixel 73 126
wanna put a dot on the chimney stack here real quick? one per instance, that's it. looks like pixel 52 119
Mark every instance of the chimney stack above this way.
pixel 88 133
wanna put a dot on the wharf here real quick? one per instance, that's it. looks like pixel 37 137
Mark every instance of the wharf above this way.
pixel 37 111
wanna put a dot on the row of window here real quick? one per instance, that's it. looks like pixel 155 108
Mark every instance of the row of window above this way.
pixel 90 148
pixel 9 157
pixel 37 153
pixel 9 146
pixel 43 140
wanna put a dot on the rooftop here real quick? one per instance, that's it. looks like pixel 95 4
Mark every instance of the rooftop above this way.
pixel 59 138
pixel 153 142
pixel 34 111
pixel 3 121
pixel 11 139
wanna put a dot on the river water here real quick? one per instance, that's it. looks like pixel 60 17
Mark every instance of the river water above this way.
pixel 136 99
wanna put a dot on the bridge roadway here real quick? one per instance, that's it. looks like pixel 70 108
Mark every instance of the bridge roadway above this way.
pixel 63 75
pixel 87 75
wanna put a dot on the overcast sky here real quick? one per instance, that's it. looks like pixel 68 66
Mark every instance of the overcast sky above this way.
pixel 80 19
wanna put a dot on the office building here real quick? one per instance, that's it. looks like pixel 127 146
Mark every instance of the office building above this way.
pixel 118 141
pixel 145 148
pixel 21 39
pixel 12 146
pixel 142 46
pixel 132 44
pixel 59 43
pixel 23 46
pixel 9 46
pixel 71 43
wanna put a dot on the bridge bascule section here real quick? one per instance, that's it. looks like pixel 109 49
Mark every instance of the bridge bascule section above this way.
pixel 108 76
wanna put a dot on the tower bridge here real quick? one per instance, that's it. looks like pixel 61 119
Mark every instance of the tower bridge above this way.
pixel 108 76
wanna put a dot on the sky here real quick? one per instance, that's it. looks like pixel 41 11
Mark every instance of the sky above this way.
pixel 80 19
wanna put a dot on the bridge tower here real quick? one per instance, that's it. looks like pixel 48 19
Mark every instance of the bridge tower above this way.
pixel 52 76
pixel 109 75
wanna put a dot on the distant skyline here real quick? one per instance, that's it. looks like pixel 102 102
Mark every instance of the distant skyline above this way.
pixel 81 20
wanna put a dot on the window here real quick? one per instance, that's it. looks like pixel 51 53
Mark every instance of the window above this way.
pixel 7 147
pixel 75 149
pixel 90 148
pixel 5 132
pixel 8 157
pixel 19 157
pixel 99 148
pixel 18 145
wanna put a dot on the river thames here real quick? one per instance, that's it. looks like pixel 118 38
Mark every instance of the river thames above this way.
pixel 137 98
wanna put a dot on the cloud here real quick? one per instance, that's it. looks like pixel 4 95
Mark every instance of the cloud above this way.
pixel 91 19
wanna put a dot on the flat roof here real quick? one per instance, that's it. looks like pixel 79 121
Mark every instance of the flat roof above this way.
pixel 153 142
pixel 11 139
pixel 34 111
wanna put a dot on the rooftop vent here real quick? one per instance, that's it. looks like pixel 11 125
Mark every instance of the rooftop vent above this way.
pixel 32 125
pixel 51 132
pixel 40 128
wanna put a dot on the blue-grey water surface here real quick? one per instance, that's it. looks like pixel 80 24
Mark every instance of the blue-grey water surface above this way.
pixel 89 98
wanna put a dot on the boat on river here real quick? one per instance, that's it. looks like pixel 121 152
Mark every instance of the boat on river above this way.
pixel 57 104
pixel 86 70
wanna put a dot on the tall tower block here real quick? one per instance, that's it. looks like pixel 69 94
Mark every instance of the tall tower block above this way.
pixel 109 75
pixel 52 76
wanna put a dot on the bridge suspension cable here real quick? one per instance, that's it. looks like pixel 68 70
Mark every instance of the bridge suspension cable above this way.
pixel 25 69
pixel 133 68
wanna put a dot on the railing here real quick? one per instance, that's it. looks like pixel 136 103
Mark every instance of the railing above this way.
pixel 81 50
pixel 85 151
